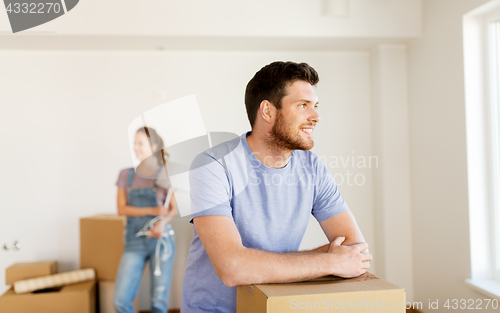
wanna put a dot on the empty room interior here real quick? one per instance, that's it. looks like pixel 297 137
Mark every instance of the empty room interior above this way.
pixel 236 156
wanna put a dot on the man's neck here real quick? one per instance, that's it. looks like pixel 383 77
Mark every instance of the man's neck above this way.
pixel 266 152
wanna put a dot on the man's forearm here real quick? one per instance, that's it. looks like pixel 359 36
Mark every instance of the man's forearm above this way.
pixel 260 266
pixel 322 249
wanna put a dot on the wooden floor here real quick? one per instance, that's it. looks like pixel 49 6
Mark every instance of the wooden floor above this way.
pixel 169 311
pixel 179 311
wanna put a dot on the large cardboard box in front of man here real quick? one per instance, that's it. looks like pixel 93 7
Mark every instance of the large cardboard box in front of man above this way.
pixel 366 293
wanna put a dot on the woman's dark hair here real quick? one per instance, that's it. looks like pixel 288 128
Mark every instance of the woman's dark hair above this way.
pixel 155 139
pixel 270 84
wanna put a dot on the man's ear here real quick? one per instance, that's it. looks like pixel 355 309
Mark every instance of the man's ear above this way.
pixel 267 111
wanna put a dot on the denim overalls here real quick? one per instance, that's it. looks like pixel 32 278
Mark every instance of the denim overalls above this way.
pixel 138 250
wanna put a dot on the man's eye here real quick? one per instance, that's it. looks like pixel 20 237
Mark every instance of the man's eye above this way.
pixel 303 105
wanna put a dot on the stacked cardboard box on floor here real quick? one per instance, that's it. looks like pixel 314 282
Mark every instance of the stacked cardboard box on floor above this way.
pixel 76 298
pixel 366 293
pixel 101 248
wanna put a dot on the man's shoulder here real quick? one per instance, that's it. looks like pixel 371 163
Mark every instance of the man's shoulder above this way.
pixel 222 148
pixel 217 153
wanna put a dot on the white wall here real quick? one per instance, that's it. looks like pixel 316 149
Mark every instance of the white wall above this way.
pixel 64 133
pixel 216 18
pixel 392 209
pixel 440 212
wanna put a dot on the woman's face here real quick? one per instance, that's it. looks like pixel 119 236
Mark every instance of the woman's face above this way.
pixel 141 146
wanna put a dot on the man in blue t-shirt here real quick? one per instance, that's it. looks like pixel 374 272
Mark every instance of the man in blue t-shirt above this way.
pixel 252 198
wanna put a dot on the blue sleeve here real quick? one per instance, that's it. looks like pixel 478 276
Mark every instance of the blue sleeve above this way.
pixel 210 189
pixel 327 199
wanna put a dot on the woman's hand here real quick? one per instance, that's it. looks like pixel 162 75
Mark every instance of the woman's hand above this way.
pixel 161 210
pixel 157 230
pixel 172 212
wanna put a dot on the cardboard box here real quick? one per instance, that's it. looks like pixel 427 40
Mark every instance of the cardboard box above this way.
pixel 101 244
pixel 76 298
pixel 366 293
pixel 106 292
pixel 20 271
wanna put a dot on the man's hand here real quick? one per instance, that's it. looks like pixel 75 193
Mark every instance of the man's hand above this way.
pixel 349 261
pixel 157 230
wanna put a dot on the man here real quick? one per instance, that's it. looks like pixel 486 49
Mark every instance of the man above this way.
pixel 252 205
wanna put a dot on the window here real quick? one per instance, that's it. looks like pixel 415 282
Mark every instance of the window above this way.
pixel 481 29
pixel 493 141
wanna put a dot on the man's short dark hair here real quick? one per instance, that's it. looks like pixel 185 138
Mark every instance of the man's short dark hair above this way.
pixel 270 84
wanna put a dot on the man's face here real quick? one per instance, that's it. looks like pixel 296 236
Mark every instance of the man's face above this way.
pixel 297 118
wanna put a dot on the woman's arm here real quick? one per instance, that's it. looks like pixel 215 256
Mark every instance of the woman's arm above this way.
pixel 172 211
pixel 127 210
pixel 159 227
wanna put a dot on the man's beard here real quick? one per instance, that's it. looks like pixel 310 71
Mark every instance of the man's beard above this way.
pixel 285 136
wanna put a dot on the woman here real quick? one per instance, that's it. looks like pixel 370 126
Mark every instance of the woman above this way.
pixel 148 235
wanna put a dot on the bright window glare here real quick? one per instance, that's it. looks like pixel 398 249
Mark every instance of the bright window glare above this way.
pixel 495 141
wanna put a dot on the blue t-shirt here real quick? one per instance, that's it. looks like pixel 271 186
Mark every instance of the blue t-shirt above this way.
pixel 270 207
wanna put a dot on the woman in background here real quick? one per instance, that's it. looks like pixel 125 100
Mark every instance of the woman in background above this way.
pixel 148 235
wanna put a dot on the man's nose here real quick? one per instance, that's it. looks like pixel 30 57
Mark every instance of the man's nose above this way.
pixel 315 117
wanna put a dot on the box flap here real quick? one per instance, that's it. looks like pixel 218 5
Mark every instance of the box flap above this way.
pixel 31 264
pixel 79 287
pixel 104 217
pixel 328 284
pixel 9 293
